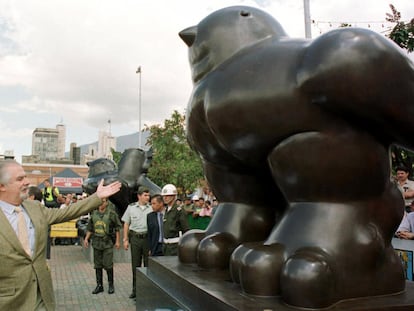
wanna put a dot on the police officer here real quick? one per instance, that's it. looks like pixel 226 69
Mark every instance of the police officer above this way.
pixel 175 221
pixel 50 194
pixel 102 223
pixel 136 232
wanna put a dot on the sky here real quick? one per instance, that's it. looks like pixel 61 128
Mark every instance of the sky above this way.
pixel 74 62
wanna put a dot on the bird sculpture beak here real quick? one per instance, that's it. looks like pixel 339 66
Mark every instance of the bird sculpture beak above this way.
pixel 188 35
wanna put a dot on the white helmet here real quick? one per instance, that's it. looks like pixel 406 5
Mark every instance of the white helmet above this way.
pixel 169 189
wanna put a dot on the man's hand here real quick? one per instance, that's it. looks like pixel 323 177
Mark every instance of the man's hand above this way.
pixel 106 191
pixel 409 194
pixel 126 244
pixel 86 243
pixel 406 235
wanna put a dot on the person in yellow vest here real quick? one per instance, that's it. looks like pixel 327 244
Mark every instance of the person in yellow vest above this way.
pixel 50 194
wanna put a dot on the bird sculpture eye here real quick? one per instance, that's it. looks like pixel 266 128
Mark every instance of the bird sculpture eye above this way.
pixel 244 13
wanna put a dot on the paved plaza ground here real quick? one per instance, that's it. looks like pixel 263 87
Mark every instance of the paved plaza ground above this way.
pixel 74 280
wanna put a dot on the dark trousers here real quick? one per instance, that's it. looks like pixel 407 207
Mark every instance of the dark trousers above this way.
pixel 139 253
pixel 51 204
pixel 158 250
pixel 103 258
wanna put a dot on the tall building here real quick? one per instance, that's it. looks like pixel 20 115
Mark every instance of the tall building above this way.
pixel 75 154
pixel 106 142
pixel 49 144
pixel 90 155
pixel 61 140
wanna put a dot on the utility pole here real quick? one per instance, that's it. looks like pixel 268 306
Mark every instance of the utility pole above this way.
pixel 306 10
pixel 139 125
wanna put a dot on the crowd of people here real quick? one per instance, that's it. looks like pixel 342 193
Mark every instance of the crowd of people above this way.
pixel 199 211
pixel 406 186
pixel 152 226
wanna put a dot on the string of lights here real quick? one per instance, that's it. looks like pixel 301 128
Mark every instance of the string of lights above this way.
pixel 381 26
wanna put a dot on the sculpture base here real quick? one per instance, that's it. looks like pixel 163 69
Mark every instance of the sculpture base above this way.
pixel 169 285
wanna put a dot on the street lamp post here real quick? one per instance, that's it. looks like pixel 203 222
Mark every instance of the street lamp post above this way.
pixel 139 124
pixel 306 9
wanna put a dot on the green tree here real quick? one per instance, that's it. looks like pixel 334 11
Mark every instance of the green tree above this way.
pixel 402 157
pixel 402 33
pixel 116 155
pixel 174 162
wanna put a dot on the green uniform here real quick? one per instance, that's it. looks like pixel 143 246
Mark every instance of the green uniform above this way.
pixel 102 225
pixel 175 221
pixel 189 208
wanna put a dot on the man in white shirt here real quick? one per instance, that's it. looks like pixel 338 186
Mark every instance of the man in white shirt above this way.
pixel 135 232
pixel 406 228
pixel 406 187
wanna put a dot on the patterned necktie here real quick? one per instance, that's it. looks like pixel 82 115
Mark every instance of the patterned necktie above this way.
pixel 160 221
pixel 22 233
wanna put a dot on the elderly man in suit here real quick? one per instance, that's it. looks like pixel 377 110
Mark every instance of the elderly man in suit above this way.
pixel 25 280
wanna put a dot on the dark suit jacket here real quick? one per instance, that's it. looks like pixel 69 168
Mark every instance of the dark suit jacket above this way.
pixel 153 231
pixel 20 274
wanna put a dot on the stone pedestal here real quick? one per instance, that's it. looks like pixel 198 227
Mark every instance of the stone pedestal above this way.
pixel 169 285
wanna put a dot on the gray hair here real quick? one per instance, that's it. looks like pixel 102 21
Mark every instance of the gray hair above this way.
pixel 4 173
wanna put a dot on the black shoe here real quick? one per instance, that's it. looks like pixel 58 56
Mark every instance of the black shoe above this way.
pixel 98 289
pixel 111 289
pixel 132 295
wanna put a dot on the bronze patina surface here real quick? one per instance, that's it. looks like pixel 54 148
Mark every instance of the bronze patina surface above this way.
pixel 294 136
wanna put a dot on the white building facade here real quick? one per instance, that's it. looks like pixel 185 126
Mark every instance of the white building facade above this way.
pixel 49 144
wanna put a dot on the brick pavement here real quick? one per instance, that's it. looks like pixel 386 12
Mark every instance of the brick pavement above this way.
pixel 74 280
